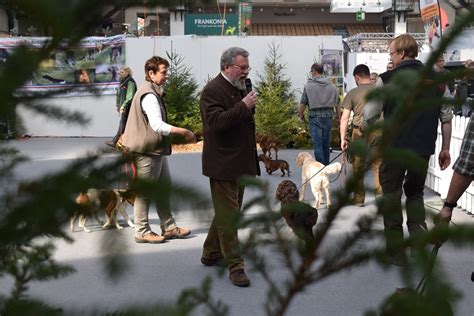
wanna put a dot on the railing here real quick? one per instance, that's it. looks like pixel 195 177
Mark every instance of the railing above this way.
pixel 438 180
pixel 373 42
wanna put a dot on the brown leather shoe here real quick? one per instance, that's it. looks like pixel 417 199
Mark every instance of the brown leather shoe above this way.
pixel 213 262
pixel 239 278
pixel 177 232
pixel 150 238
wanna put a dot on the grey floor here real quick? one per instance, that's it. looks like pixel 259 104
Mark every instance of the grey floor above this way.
pixel 158 273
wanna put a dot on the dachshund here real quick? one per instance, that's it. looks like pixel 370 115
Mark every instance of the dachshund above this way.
pixel 300 216
pixel 273 165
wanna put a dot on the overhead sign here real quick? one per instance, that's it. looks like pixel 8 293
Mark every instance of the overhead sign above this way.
pixel 353 6
pixel 211 24
pixel 360 15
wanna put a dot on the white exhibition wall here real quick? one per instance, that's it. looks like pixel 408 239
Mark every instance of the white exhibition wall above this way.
pixel 202 55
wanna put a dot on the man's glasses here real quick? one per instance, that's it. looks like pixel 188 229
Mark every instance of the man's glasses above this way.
pixel 243 68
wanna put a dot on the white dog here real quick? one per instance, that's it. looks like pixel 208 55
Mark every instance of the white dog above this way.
pixel 309 168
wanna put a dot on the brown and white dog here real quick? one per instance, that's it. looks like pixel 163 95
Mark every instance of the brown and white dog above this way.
pixel 111 201
pixel 274 165
pixel 316 174
pixel 266 143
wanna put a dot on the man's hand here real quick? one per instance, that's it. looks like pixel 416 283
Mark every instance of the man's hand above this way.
pixel 250 100
pixel 444 159
pixel 189 136
pixel 343 144
pixel 301 117
pixel 441 219
pixel 444 215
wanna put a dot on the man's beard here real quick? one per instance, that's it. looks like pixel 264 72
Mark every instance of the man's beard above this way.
pixel 239 83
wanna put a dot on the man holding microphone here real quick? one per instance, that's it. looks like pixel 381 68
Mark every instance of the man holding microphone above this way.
pixel 229 152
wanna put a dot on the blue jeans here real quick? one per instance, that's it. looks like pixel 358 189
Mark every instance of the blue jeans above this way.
pixel 320 128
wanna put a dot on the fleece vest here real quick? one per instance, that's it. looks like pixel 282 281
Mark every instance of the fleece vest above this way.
pixel 138 136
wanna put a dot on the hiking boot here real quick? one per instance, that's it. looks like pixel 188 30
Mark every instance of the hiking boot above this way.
pixel 213 262
pixel 239 278
pixel 177 232
pixel 150 238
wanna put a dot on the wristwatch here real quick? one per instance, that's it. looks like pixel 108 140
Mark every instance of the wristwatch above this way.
pixel 450 205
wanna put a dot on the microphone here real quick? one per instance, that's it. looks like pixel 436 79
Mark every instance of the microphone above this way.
pixel 248 84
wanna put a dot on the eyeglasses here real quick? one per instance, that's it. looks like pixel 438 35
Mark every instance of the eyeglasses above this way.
pixel 243 68
pixel 391 53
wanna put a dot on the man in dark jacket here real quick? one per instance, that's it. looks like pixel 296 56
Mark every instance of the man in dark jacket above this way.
pixel 416 134
pixel 228 153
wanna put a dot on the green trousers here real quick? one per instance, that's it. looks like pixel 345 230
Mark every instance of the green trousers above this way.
pixel 222 239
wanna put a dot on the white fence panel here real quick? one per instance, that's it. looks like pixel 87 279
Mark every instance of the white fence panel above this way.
pixel 439 180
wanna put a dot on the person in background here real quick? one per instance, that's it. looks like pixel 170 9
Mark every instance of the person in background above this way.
pixel 373 77
pixel 418 135
pixel 463 173
pixel 125 93
pixel 439 67
pixel 465 90
pixel 229 152
pixel 390 66
pixel 355 101
pixel 321 97
pixel 153 139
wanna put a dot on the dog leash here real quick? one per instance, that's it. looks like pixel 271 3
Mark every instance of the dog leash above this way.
pixel 420 289
pixel 314 175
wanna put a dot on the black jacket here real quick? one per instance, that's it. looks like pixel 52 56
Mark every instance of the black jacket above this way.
pixel 419 132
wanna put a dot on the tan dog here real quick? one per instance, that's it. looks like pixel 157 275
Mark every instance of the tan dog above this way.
pixel 274 165
pixel 111 201
pixel 312 171
pixel 266 143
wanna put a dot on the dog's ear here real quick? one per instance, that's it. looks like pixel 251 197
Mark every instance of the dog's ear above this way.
pixel 299 158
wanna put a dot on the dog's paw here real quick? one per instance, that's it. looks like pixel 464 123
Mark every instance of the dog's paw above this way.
pixel 106 226
pixel 131 224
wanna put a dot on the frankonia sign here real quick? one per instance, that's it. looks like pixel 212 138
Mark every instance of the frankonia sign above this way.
pixel 211 24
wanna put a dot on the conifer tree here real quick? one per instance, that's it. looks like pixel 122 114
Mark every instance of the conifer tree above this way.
pixel 181 94
pixel 276 108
